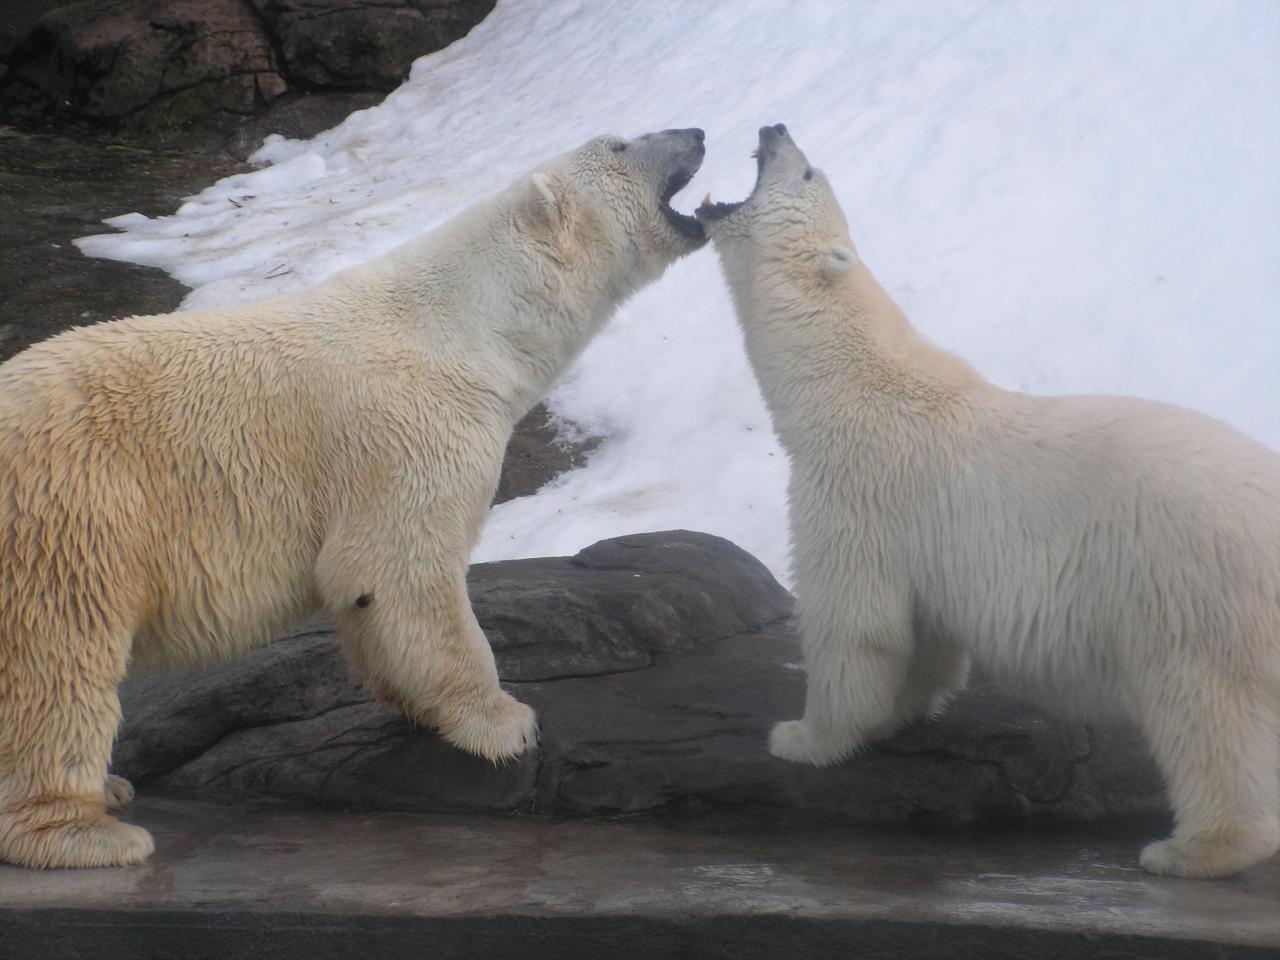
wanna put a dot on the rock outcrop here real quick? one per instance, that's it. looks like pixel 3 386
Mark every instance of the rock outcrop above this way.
pixel 161 68
pixel 657 664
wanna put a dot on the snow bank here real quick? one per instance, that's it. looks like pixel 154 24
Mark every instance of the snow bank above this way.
pixel 1075 196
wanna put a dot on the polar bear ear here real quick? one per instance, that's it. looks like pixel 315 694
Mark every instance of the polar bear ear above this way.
pixel 549 195
pixel 836 260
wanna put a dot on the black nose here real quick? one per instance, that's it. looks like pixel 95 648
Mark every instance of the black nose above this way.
pixel 779 129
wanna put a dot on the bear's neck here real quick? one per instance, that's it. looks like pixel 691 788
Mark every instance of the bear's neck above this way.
pixel 514 314
pixel 842 356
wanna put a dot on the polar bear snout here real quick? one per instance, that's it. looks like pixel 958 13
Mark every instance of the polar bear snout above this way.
pixel 674 152
pixel 770 138
pixel 689 145
pixel 778 153
pixel 676 155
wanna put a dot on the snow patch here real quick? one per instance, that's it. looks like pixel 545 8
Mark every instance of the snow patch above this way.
pixel 1076 197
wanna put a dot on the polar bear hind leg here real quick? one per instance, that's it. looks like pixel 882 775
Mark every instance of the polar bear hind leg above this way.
pixel 1217 742
pixel 118 792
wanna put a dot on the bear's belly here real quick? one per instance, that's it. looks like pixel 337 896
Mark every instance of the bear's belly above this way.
pixel 185 632
pixel 1060 647
pixel 220 596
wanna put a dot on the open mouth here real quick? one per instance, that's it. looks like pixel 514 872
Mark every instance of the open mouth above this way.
pixel 711 211
pixel 684 223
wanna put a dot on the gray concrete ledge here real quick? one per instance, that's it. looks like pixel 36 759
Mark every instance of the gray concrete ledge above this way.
pixel 233 882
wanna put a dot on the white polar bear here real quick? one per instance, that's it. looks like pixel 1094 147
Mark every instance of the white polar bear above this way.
pixel 180 487
pixel 1094 552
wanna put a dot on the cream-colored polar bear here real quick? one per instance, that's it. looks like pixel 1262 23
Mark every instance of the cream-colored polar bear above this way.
pixel 1095 552
pixel 181 487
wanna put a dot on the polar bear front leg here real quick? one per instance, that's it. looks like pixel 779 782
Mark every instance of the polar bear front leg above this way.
pixel 423 650
pixel 857 657
pixel 394 575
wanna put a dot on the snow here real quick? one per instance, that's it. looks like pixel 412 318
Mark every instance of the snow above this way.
pixel 1075 196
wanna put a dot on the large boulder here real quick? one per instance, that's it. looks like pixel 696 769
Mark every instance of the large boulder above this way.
pixel 657 664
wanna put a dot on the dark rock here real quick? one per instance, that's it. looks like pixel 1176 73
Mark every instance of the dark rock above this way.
pixel 19 17
pixel 540 449
pixel 355 756
pixel 142 64
pixel 298 117
pixel 657 664
pixel 177 715
pixel 158 69
pixel 620 603
pixel 691 733
pixel 362 44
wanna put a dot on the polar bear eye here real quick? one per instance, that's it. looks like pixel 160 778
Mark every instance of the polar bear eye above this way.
pixel 617 146
pixel 808 173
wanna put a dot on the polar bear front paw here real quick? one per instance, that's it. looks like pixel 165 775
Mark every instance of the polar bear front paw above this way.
pixel 796 740
pixel 502 729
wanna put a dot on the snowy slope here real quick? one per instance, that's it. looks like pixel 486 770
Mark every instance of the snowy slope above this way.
pixel 1075 196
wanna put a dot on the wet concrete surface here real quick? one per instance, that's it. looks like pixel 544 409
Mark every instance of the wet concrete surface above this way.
pixel 284 882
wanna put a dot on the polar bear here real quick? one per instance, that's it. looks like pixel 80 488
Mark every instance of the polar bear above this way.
pixel 180 487
pixel 1098 553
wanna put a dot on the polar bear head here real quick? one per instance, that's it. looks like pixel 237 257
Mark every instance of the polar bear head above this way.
pixel 608 203
pixel 790 227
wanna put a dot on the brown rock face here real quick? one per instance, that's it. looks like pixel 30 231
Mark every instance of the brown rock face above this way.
pixel 146 66
pixel 139 62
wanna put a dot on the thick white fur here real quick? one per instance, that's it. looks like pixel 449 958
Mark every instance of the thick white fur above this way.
pixel 1099 554
pixel 181 487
